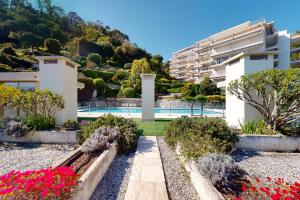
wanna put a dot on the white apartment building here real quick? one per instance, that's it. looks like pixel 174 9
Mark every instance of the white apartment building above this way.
pixel 295 50
pixel 206 58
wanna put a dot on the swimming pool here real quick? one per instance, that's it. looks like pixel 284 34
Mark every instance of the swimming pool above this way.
pixel 166 111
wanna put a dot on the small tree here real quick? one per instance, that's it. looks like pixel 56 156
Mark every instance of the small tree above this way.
pixel 52 46
pixel 100 86
pixel 199 98
pixel 140 66
pixel 208 87
pixel 274 93
pixel 95 59
pixel 39 103
pixel 7 94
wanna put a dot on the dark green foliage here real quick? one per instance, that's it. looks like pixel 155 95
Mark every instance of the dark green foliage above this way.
pixel 95 58
pixel 100 87
pixel 28 39
pixel 38 122
pixel 52 46
pixel 199 136
pixel 86 93
pixel 256 127
pixel 128 131
pixel 128 92
pixel 208 87
pixel 9 51
pixel 121 75
pixel 71 125
pixel 6 68
pixel 111 92
pixel 105 75
pixel 174 90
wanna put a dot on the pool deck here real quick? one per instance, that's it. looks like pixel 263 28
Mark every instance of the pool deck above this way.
pixel 157 115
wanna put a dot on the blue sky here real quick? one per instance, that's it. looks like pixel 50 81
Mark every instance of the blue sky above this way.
pixel 165 26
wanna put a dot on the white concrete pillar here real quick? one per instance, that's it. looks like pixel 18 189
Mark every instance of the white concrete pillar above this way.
pixel 59 75
pixel 284 44
pixel 148 96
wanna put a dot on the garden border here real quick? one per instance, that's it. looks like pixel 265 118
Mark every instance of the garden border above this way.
pixel 268 143
pixel 44 137
pixel 90 179
pixel 202 185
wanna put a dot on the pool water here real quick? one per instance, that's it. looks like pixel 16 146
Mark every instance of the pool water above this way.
pixel 119 110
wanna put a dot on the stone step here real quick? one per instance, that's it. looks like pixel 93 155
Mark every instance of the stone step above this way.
pixel 147 180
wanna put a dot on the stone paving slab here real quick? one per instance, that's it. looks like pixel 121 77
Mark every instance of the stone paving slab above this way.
pixel 147 180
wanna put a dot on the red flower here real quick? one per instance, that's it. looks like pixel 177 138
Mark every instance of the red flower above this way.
pixel 244 188
pixel 269 178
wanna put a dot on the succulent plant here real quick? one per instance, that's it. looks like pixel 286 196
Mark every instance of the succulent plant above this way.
pixel 100 139
pixel 221 170
pixel 18 129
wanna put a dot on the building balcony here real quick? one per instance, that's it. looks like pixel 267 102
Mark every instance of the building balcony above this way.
pixel 221 84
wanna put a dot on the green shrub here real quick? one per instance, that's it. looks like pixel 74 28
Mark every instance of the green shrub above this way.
pixel 129 92
pixel 6 68
pixel 100 86
pixel 128 131
pixel 86 94
pixel 121 75
pixel 94 58
pixel 174 90
pixel 52 46
pixel 256 127
pixel 111 92
pixel 200 136
pixel 163 80
pixel 38 122
pixel 71 125
pixel 105 75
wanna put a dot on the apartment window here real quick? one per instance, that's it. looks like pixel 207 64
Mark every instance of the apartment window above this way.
pixel 50 61
pixel 259 57
pixel 234 61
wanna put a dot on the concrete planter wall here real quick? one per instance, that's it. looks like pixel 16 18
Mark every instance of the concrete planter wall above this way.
pixel 90 179
pixel 268 143
pixel 202 185
pixel 45 137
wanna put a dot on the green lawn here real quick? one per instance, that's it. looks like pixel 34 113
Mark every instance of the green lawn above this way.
pixel 155 128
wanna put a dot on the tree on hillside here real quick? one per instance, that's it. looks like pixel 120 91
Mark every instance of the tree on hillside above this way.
pixel 208 87
pixel 4 3
pixel 94 59
pixel 274 93
pixel 52 46
pixel 140 66
pixel 156 62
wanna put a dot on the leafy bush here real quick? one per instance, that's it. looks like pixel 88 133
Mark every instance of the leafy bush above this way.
pixel 200 136
pixel 50 183
pixel 215 98
pixel 6 68
pixel 95 59
pixel 100 86
pixel 221 170
pixel 18 129
pixel 100 139
pixel 71 125
pixel 128 131
pixel 38 122
pixel 129 92
pixel 256 127
pixel 111 92
pixel 105 75
pixel 52 46
pixel 121 75
pixel 163 80
pixel 86 94
pixel 174 90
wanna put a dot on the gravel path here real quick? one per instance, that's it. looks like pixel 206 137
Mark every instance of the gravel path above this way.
pixel 178 183
pixel 30 156
pixel 114 183
pixel 264 164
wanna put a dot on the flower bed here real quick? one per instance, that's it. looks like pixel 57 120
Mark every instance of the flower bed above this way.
pixel 49 183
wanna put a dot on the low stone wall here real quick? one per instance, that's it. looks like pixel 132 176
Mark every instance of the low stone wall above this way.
pixel 202 185
pixel 268 143
pixel 44 137
pixel 90 179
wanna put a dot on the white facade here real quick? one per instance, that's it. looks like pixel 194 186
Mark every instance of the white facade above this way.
pixel 205 57
pixel 148 98
pixel 59 75
pixel 237 111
